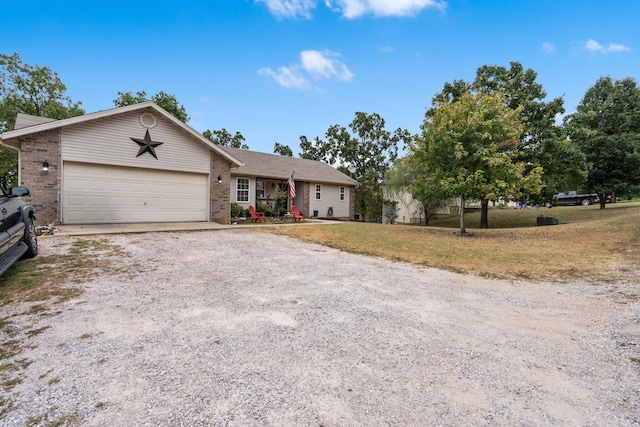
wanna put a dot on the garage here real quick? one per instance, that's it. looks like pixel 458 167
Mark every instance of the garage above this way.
pixel 131 164
pixel 95 194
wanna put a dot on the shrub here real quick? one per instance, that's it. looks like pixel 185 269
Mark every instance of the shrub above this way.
pixel 237 210
pixel 264 208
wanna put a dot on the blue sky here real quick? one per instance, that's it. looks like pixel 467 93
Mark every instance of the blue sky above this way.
pixel 278 69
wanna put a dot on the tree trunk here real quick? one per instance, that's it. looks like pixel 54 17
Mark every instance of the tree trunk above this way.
pixel 462 230
pixel 425 209
pixel 603 200
pixel 484 214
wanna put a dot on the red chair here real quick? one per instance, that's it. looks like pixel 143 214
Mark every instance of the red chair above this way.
pixel 297 215
pixel 256 216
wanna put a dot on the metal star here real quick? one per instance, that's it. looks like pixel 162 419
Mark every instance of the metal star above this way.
pixel 146 145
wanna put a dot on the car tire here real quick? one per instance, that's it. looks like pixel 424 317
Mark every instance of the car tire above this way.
pixel 30 240
pixel 585 202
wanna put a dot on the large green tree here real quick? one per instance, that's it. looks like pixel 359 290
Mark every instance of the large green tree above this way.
pixel 365 151
pixel 470 149
pixel 223 138
pixel 28 89
pixel 606 128
pixel 164 100
pixel 544 141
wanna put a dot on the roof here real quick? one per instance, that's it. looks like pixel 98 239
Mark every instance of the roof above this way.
pixel 26 120
pixel 281 167
pixel 39 125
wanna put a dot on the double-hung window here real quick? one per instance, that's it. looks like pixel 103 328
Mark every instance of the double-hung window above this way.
pixel 341 194
pixel 242 189
pixel 318 191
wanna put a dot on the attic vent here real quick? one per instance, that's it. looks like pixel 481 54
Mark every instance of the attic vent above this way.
pixel 147 120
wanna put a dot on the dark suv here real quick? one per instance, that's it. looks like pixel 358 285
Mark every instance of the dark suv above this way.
pixel 17 232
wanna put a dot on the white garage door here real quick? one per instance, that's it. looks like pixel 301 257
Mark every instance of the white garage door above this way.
pixel 94 194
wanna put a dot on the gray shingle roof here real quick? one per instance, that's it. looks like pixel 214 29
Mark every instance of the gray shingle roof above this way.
pixel 264 165
pixel 27 120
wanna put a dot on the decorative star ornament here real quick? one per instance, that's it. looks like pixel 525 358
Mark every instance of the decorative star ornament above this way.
pixel 147 145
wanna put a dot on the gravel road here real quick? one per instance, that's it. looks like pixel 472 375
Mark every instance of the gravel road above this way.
pixel 240 328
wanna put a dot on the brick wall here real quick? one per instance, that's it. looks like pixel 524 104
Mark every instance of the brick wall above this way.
pixel 306 200
pixel 352 202
pixel 220 194
pixel 44 187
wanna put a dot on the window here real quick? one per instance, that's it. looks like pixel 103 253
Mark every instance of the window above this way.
pixel 242 190
pixel 342 194
pixel 259 189
pixel 318 191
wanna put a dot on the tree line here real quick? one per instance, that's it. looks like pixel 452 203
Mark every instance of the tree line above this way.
pixel 497 137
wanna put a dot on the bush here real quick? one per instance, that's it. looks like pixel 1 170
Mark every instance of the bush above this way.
pixel 237 211
pixel 264 208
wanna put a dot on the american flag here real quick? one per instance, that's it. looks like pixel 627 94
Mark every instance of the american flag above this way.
pixel 292 187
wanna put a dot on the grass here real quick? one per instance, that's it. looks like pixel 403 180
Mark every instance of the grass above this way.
pixel 44 278
pixel 589 244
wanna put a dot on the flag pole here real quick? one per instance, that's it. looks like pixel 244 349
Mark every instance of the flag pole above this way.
pixel 292 189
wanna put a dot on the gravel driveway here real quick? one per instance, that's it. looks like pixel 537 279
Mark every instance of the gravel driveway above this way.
pixel 242 328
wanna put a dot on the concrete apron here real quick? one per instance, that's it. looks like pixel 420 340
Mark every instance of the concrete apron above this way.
pixel 95 229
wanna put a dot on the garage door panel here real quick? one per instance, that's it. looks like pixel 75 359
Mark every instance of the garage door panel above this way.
pixel 111 194
pixel 77 200
pixel 98 201
pixel 76 216
pixel 97 185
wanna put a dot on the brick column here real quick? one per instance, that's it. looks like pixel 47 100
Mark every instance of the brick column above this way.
pixel 220 192
pixel 352 203
pixel 306 200
pixel 44 187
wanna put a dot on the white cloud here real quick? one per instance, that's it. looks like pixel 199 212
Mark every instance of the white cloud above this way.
pixel 548 47
pixel 325 64
pixel 314 64
pixel 351 8
pixel 290 8
pixel 595 47
pixel 356 8
pixel 287 77
pixel 385 49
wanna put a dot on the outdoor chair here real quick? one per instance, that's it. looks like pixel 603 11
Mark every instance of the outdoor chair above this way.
pixel 297 215
pixel 256 216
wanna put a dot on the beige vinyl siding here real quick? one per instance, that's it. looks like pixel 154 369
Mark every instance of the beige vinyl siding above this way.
pixel 330 197
pixel 108 141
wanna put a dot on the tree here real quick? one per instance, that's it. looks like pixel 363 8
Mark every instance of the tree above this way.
pixel 283 150
pixel 33 90
pixel 469 149
pixel 313 150
pixel 545 143
pixel 390 213
pixel 223 138
pixel 606 128
pixel 164 100
pixel 368 150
